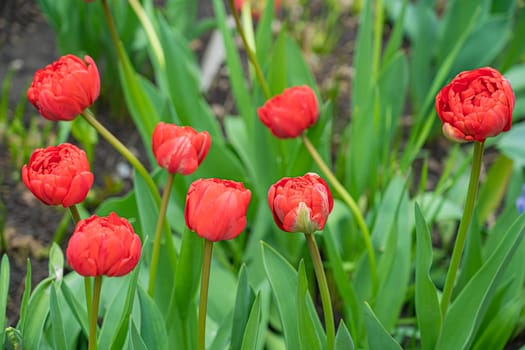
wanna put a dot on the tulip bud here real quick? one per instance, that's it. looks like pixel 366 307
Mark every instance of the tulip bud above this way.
pixel 103 246
pixel 63 89
pixel 58 175
pixel 216 209
pixel 179 149
pixel 475 105
pixel 300 204
pixel 289 114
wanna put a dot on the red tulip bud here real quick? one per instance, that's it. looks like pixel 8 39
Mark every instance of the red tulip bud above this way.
pixel 216 209
pixel 58 175
pixel 300 204
pixel 475 105
pixel 63 89
pixel 103 246
pixel 179 149
pixel 289 114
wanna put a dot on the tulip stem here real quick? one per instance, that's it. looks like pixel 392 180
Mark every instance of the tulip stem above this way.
pixel 123 150
pixel 156 243
pixel 205 281
pixel 89 295
pixel 74 213
pixel 323 290
pixel 249 52
pixel 347 198
pixel 463 227
pixel 94 314
pixel 87 280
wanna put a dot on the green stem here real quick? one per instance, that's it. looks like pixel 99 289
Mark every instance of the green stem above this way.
pixel 124 151
pixel 347 198
pixel 156 243
pixel 150 31
pixel 323 289
pixel 94 314
pixel 113 31
pixel 249 52
pixel 74 213
pixel 89 295
pixel 463 227
pixel 205 281
pixel 87 280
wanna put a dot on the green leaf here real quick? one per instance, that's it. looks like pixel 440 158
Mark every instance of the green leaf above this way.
pixel 470 305
pixel 308 335
pixel 494 187
pixel 4 293
pixel 263 36
pixel 152 329
pixel 36 314
pixel 345 288
pixel 427 304
pixel 472 259
pixel 113 332
pixel 378 336
pixel 343 338
pixel 79 311
pixel 187 277
pixel 394 266
pixel 458 15
pixel 253 326
pixel 283 279
pixel 243 308
pixel 56 262
pixel 484 44
pixel 136 341
pixel 140 107
pixel 512 144
pixel 25 296
pixel 277 71
pixel 181 78
pixel 500 329
pixel 57 326
pixel 235 69
pixel 148 209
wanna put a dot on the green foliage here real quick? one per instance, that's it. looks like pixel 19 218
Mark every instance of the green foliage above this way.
pixel 384 149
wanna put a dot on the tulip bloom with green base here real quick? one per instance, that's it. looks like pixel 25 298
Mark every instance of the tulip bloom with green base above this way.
pixel 302 204
pixel 475 105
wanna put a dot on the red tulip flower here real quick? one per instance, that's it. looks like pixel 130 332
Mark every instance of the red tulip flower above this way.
pixel 58 175
pixel 475 105
pixel 300 204
pixel 103 246
pixel 63 89
pixel 289 114
pixel 216 209
pixel 179 149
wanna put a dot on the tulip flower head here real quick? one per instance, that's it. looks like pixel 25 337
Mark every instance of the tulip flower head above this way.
pixel 475 105
pixel 300 204
pixel 103 246
pixel 179 149
pixel 58 175
pixel 289 114
pixel 63 89
pixel 216 209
